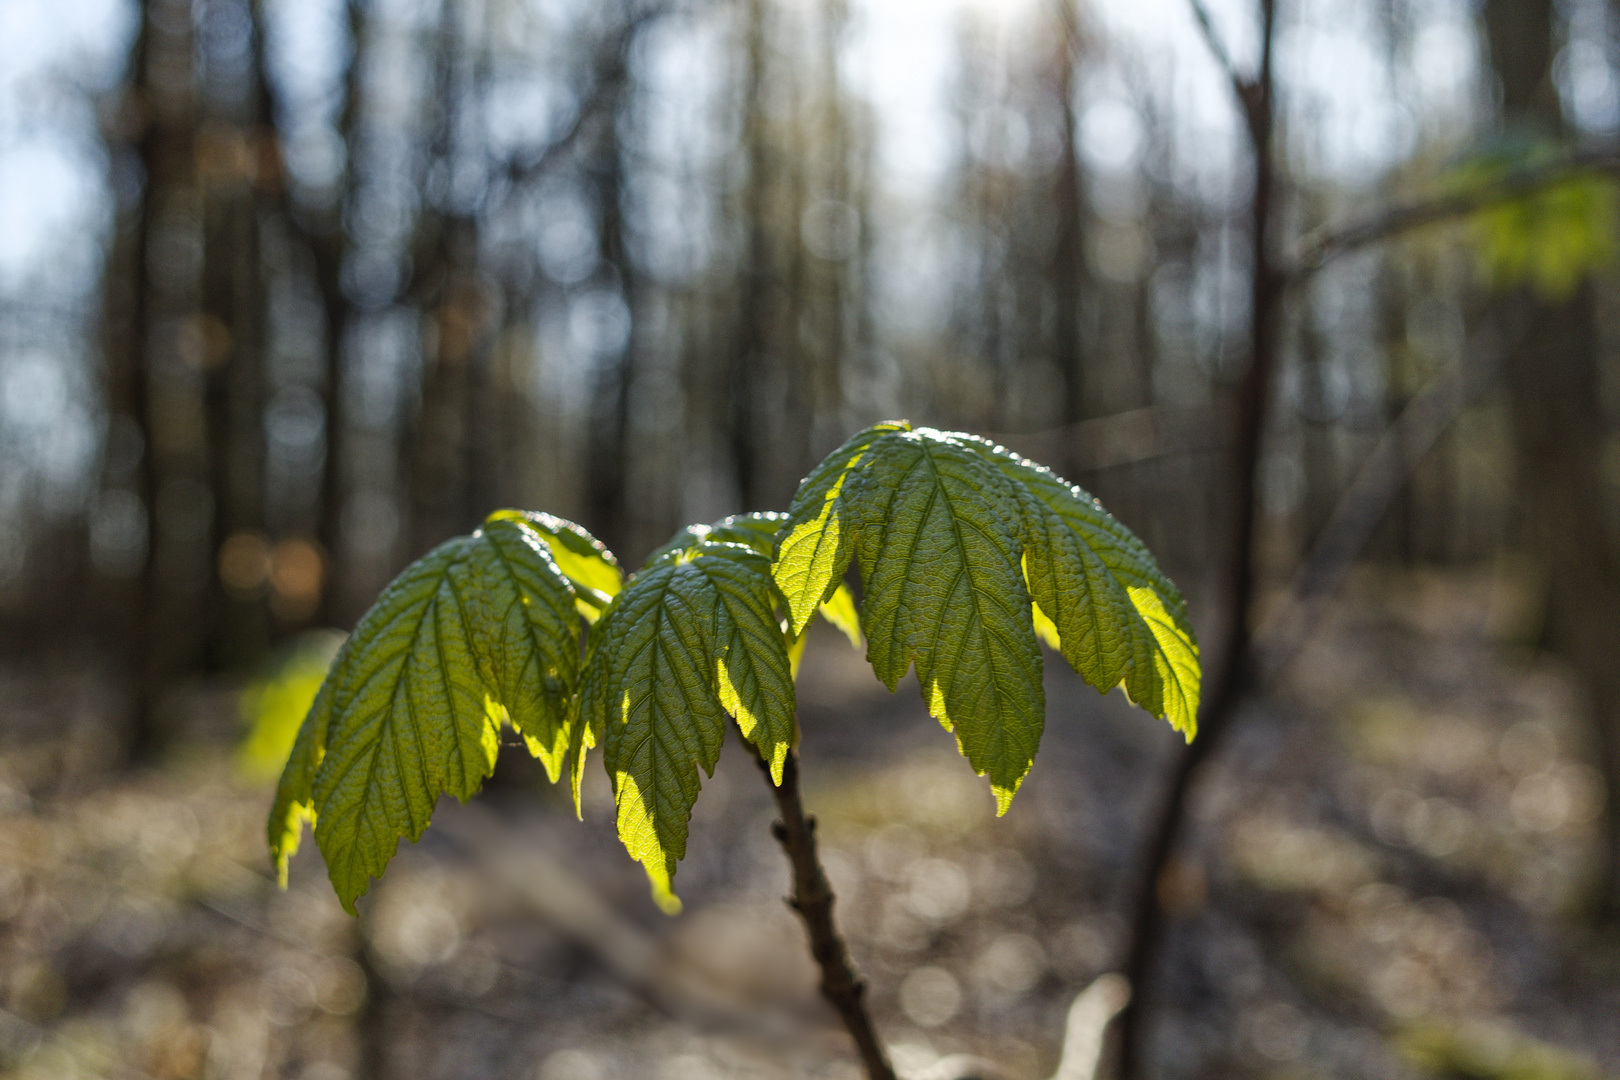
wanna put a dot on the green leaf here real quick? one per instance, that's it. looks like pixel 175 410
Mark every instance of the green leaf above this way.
pixel 525 624
pixel 583 559
pixel 814 544
pixel 937 532
pixel 840 611
pixel 758 531
pixel 1550 238
pixel 957 540
pixel 1107 606
pixel 480 630
pixel 693 637
pixel 295 794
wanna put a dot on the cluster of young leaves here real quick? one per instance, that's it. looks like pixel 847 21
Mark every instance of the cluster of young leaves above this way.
pixel 966 553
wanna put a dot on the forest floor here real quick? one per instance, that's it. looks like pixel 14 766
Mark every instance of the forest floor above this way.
pixel 1385 880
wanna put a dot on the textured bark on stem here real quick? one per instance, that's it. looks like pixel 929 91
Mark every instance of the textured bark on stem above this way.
pixel 813 899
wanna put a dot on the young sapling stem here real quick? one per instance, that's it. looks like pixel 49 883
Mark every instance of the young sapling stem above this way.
pixel 813 899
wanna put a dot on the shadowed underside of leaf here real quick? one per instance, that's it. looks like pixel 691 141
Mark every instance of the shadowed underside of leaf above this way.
pixel 954 536
pixel 691 638
pixel 480 630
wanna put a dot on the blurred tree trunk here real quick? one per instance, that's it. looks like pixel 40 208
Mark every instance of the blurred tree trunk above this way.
pixel 836 320
pixel 327 241
pixel 608 434
pixel 126 327
pixel 1228 673
pixel 1559 431
pixel 443 245
pixel 162 386
pixel 754 312
pixel 236 175
pixel 1068 256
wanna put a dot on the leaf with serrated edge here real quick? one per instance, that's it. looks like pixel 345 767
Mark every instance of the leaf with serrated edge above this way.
pixel 295 794
pixel 691 638
pixel 525 627
pixel 1109 609
pixel 936 534
pixel 927 511
pixel 756 531
pixel 814 544
pixel 583 559
pixel 476 631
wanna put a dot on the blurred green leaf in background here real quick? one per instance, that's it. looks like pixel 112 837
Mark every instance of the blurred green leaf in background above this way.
pixel 1490 1051
pixel 274 705
pixel 1548 240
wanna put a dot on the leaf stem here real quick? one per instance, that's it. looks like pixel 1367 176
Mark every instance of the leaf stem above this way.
pixel 813 899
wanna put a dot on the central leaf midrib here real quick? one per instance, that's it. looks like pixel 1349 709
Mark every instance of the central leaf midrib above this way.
pixel 511 573
pixel 369 784
pixel 1002 692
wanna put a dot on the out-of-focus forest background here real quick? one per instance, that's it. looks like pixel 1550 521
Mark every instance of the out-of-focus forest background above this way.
pixel 292 290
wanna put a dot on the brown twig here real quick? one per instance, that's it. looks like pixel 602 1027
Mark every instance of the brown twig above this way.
pixel 813 899
pixel 1321 246
pixel 1354 520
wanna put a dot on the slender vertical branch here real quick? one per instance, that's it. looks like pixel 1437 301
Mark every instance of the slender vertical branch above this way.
pixel 1217 47
pixel 813 899
pixel 1233 673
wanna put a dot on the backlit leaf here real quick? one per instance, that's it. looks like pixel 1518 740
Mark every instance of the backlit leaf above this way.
pixel 758 531
pixel 480 630
pixel 693 637
pixel 583 559
pixel 1107 606
pixel 956 541
pixel 839 610
pixel 937 533
pixel 814 544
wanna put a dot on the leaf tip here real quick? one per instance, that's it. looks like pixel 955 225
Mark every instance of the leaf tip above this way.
pixel 286 833
pixel 660 876
pixel 1004 797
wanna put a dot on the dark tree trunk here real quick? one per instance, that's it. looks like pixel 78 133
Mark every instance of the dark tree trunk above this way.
pixel 609 437
pixel 1559 432
pixel 167 637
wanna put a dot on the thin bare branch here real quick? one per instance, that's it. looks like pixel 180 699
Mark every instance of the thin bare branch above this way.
pixel 1122 438
pixel 1323 245
pixel 1243 86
